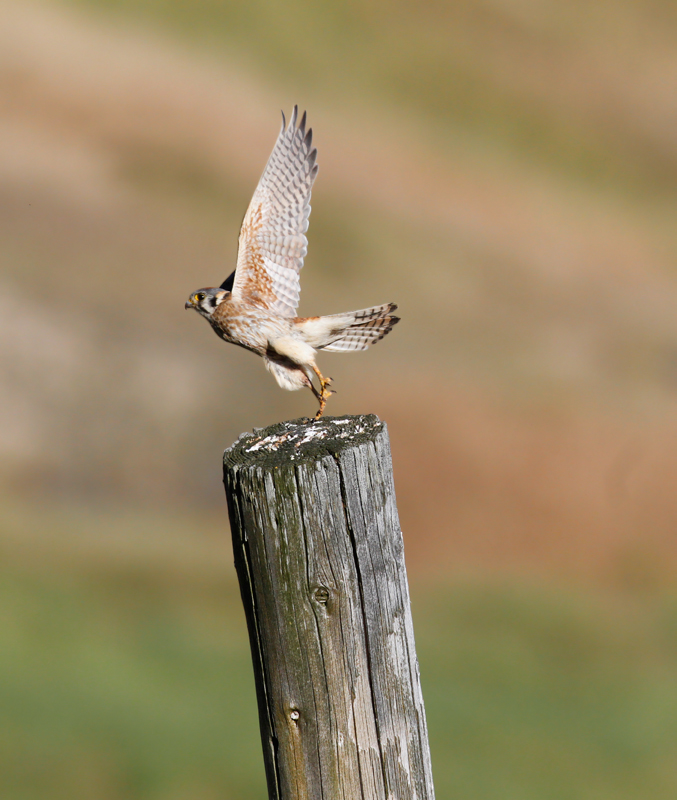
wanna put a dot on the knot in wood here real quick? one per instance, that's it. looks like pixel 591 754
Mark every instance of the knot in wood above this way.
pixel 321 595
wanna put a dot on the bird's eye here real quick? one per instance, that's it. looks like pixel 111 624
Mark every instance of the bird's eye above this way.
pixel 200 297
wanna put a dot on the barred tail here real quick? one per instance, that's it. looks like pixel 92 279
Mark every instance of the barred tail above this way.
pixel 354 330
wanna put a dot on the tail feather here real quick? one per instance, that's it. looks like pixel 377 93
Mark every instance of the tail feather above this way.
pixel 354 330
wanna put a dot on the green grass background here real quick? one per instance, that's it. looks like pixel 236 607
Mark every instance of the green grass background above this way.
pixel 127 675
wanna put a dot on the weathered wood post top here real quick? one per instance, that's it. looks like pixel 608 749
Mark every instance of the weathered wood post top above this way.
pixel 319 556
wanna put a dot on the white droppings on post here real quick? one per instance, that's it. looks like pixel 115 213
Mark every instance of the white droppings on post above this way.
pixel 300 435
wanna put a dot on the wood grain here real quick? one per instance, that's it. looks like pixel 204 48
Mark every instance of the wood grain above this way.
pixel 320 560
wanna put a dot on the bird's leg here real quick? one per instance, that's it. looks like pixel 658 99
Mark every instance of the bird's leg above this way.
pixel 325 392
pixel 314 390
pixel 320 399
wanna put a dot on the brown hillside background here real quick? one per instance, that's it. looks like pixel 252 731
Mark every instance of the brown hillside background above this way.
pixel 506 172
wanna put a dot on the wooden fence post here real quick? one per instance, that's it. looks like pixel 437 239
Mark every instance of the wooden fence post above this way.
pixel 320 560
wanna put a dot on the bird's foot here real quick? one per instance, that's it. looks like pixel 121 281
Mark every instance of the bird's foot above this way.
pixel 325 392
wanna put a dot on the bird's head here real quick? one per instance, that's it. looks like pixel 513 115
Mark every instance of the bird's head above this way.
pixel 206 301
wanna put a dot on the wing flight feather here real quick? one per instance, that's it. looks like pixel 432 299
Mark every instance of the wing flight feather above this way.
pixel 272 242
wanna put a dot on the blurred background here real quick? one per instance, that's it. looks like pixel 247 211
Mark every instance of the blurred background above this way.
pixel 504 170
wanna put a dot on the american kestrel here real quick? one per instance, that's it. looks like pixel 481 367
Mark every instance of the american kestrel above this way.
pixel 255 307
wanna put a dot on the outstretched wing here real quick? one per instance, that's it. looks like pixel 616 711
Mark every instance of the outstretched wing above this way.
pixel 272 239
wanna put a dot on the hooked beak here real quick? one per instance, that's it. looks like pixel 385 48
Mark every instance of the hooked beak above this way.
pixel 189 304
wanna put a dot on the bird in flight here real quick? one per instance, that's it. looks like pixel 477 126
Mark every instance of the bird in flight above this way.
pixel 255 307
